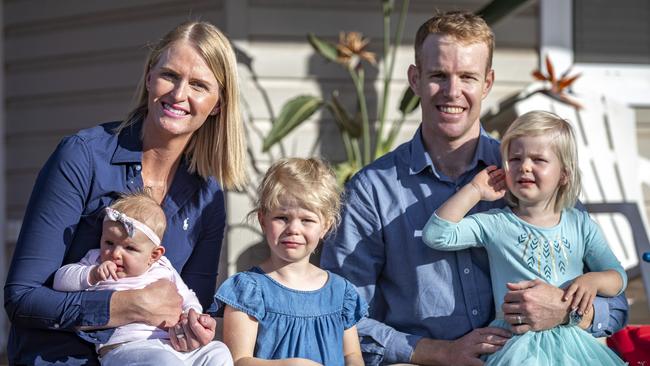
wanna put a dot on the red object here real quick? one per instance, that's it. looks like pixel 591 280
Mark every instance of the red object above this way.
pixel 632 343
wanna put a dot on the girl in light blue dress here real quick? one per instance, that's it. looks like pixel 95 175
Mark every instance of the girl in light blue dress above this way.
pixel 540 235
pixel 287 309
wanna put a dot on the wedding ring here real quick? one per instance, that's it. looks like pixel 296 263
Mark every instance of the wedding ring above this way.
pixel 519 320
pixel 180 335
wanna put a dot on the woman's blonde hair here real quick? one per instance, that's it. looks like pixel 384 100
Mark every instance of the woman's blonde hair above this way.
pixel 142 207
pixel 537 123
pixel 217 148
pixel 310 183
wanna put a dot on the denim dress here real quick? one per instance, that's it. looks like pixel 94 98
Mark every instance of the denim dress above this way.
pixel 293 323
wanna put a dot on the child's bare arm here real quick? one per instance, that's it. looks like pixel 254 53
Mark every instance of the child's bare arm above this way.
pixel 351 347
pixel 488 185
pixel 584 288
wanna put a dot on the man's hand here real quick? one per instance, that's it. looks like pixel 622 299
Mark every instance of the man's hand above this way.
pixel 466 350
pixel 158 304
pixel 534 305
pixel 193 330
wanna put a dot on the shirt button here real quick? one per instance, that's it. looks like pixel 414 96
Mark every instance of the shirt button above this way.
pixel 138 167
pixel 600 325
pixel 466 271
pixel 475 312
pixel 457 188
pixel 56 326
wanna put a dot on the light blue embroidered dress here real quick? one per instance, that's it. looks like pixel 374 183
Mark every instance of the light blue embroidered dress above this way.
pixel 292 323
pixel 520 251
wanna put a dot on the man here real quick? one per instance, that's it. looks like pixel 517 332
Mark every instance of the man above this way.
pixel 429 307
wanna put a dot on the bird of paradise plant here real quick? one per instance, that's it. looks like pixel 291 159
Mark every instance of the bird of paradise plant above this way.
pixel 355 129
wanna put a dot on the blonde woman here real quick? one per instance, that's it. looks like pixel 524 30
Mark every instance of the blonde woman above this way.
pixel 184 142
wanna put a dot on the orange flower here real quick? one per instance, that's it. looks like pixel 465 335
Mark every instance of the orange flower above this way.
pixel 351 50
pixel 557 86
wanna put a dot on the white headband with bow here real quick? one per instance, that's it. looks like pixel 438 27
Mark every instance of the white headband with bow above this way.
pixel 130 224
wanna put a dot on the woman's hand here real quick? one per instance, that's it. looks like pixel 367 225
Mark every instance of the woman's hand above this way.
pixel 158 304
pixel 193 330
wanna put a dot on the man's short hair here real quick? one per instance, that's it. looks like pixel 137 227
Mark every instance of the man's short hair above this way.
pixel 465 27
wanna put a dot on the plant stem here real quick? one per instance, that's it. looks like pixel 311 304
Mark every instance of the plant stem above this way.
pixel 358 78
pixel 349 153
pixel 388 71
pixel 397 126
pixel 357 152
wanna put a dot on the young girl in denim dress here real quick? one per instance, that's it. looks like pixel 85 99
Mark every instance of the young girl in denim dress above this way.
pixel 287 309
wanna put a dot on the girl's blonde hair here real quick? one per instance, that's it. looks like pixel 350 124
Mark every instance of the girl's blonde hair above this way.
pixel 217 148
pixel 537 123
pixel 310 183
pixel 142 207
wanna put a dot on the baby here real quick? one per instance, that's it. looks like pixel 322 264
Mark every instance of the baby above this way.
pixel 131 257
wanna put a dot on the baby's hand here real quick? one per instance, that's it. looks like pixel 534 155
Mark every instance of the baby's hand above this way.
pixel 583 290
pixel 490 183
pixel 103 272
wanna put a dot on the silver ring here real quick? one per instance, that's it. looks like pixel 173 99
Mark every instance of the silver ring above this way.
pixel 519 320
pixel 180 335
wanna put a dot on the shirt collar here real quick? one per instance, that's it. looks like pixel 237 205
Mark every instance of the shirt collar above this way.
pixel 129 145
pixel 487 152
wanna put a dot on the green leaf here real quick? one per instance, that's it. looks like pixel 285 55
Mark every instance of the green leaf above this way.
pixel 386 146
pixel 292 114
pixel 409 101
pixel 324 48
pixel 342 118
pixel 344 171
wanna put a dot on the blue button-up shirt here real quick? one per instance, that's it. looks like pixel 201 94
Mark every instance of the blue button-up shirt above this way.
pixel 414 291
pixel 63 221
